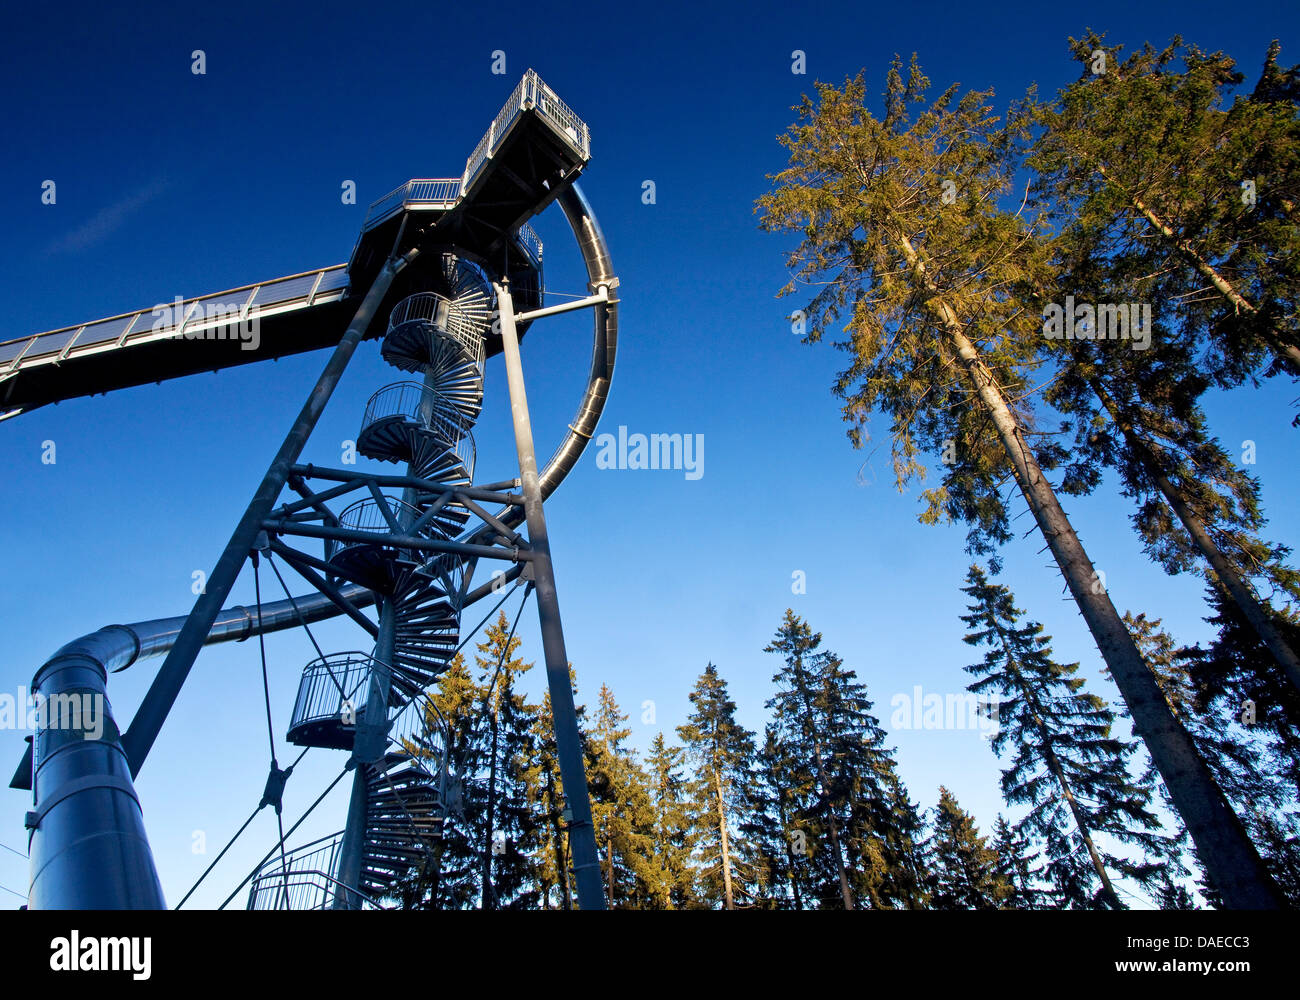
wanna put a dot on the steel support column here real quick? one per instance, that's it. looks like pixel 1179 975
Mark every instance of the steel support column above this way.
pixel 139 738
pixel 568 744
pixel 370 746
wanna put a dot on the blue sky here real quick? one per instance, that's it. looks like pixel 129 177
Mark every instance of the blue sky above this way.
pixel 175 184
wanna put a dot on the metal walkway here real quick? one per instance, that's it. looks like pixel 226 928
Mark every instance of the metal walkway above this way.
pixel 534 149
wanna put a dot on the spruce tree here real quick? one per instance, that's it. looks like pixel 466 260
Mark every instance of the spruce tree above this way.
pixel 620 806
pixel 457 879
pixel 670 876
pixel 1015 864
pixel 771 811
pixel 720 753
pixel 964 871
pixel 509 827
pixel 1140 133
pixel 1238 736
pixel 1066 764
pixel 863 830
pixel 545 792
pixel 935 284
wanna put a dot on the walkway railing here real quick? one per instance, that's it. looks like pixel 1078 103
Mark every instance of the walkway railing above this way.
pixel 368 515
pixel 530 93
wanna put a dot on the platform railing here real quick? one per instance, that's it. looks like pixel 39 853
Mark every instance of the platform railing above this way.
pixel 530 92
pixel 531 243
pixel 430 307
pixel 368 515
pixel 329 686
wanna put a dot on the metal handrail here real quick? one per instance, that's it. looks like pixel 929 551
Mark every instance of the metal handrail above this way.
pixel 530 243
pixel 367 515
pixel 328 682
pixel 272 884
pixel 301 880
pixel 429 191
pixel 429 410
pixel 531 92
pixel 467 329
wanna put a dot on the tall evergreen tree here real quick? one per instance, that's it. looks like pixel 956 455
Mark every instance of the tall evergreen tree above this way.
pixel 1141 134
pixel 964 870
pixel 509 828
pixel 936 289
pixel 620 806
pixel 851 804
pixel 552 865
pixel 720 752
pixel 670 876
pixel 1015 864
pixel 771 824
pixel 1149 160
pixel 1066 764
pixel 456 881
pixel 1240 740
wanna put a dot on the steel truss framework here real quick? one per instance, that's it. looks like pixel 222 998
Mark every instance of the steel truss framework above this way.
pixel 411 557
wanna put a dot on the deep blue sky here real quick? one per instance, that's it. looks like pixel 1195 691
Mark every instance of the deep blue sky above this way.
pixel 174 184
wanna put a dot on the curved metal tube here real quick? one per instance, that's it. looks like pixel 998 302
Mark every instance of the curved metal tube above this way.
pixel 116 647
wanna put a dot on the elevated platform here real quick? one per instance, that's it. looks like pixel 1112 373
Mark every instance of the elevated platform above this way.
pixel 534 149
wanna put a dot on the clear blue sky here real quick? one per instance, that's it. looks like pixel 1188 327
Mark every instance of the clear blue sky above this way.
pixel 175 184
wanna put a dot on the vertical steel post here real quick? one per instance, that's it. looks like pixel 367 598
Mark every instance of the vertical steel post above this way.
pixel 140 736
pixel 582 835
pixel 370 746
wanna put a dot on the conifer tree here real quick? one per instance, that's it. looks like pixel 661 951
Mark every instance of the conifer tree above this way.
pixel 509 828
pixel 964 870
pixel 935 284
pixel 771 825
pixel 1154 162
pixel 1241 742
pixel 720 753
pixel 545 791
pixel 853 808
pixel 1141 134
pixel 1015 865
pixel 456 882
pixel 1066 764
pixel 670 876
pixel 620 806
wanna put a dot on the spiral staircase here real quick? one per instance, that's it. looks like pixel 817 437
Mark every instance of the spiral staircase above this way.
pixel 425 425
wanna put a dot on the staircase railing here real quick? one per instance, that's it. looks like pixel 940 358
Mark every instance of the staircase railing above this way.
pixel 466 328
pixel 302 879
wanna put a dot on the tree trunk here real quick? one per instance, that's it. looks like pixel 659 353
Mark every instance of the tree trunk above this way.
pixel 1230 860
pixel 789 850
pixel 729 900
pixel 489 895
pixel 1237 588
pixel 1058 772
